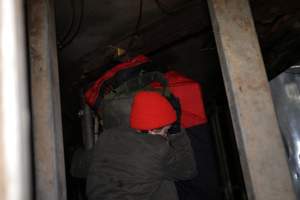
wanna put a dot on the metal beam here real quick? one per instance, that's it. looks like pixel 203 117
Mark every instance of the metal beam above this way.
pixel 46 111
pixel 15 176
pixel 259 141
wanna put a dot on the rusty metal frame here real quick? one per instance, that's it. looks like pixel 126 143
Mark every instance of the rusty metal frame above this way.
pixel 46 112
pixel 260 145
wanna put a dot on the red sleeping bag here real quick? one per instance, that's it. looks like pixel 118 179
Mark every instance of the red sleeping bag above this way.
pixel 92 93
pixel 190 96
pixel 188 91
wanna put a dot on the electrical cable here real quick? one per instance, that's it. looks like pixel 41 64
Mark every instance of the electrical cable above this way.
pixel 63 45
pixel 64 38
pixel 164 8
pixel 78 26
pixel 137 26
pixel 148 24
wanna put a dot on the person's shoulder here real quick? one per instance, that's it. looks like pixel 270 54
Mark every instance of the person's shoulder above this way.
pixel 156 139
pixel 156 144
pixel 113 137
pixel 117 131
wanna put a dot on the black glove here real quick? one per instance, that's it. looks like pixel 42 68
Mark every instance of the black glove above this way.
pixel 175 128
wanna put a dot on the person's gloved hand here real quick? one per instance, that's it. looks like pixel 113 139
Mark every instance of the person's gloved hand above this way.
pixel 175 128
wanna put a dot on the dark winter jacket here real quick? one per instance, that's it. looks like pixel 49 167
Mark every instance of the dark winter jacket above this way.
pixel 134 166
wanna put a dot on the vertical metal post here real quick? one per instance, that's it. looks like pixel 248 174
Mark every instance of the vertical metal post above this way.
pixel 46 111
pixel 222 157
pixel 14 109
pixel 86 124
pixel 259 141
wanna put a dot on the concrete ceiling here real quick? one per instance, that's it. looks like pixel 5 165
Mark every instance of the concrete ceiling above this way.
pixel 106 22
pixel 176 34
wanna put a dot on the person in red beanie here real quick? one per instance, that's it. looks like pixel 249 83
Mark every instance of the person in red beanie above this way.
pixel 152 112
pixel 141 162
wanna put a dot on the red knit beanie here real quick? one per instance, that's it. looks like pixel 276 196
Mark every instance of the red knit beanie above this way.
pixel 150 110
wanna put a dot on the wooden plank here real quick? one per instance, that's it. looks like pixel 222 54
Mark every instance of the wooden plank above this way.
pixel 46 112
pixel 258 137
